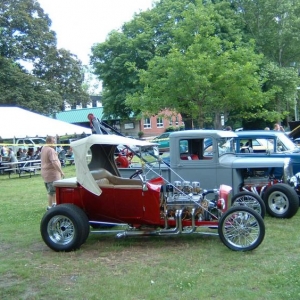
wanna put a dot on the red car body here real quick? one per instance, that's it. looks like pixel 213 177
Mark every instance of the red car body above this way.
pixel 99 197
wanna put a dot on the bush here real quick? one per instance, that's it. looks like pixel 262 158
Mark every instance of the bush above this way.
pixel 170 129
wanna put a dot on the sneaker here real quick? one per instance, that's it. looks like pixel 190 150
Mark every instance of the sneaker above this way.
pixel 49 207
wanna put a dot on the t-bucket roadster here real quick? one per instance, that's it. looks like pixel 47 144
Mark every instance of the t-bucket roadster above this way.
pixel 98 198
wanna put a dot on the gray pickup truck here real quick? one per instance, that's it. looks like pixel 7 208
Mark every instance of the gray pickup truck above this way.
pixel 209 158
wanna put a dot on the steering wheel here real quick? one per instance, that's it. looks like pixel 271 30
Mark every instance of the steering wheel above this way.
pixel 136 173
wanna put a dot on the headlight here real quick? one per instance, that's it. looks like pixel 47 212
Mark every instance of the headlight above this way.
pixel 221 204
pixel 294 180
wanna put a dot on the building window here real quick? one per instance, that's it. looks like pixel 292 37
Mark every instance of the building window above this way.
pixel 159 122
pixel 147 123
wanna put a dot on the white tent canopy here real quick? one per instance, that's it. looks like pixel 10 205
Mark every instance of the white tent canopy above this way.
pixel 16 122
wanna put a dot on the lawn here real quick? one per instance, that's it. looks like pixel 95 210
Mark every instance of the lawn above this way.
pixel 179 267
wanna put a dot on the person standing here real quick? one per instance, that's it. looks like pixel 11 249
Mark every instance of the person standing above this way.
pixel 1 170
pixel 12 158
pixel 278 127
pixel 50 169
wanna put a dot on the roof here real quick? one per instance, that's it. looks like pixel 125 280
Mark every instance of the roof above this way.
pixel 109 139
pixel 17 122
pixel 79 115
pixel 260 133
pixel 205 133
pixel 81 147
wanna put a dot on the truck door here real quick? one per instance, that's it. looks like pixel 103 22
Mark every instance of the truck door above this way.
pixel 195 159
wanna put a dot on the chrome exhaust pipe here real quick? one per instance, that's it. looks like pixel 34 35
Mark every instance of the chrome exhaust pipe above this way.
pixel 193 223
pixel 176 230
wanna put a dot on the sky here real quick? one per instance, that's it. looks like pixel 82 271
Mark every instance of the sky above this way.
pixel 81 23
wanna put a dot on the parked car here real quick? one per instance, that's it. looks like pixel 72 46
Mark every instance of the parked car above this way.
pixel 163 142
pixel 265 141
pixel 295 130
pixel 276 144
pixel 297 142
pixel 211 158
pixel 257 145
pixel 98 196
pixel 26 143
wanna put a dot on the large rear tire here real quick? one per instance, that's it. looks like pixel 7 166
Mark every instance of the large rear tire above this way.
pixel 241 228
pixel 64 227
pixel 281 201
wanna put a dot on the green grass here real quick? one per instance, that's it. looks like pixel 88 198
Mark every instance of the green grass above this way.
pixel 181 267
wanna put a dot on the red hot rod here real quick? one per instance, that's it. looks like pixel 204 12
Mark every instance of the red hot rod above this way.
pixel 98 198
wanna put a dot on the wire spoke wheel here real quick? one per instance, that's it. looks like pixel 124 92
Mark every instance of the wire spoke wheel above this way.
pixel 251 200
pixel 60 230
pixel 241 229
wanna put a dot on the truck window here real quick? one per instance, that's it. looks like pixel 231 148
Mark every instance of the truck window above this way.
pixel 195 149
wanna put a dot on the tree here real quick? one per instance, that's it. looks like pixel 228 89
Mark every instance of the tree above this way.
pixel 24 90
pixel 91 84
pixel 158 45
pixel 201 80
pixel 25 30
pixel 283 80
pixel 116 79
pixel 64 73
pixel 275 26
pixel 118 59
pixel 56 73
pixel 182 55
pixel 208 72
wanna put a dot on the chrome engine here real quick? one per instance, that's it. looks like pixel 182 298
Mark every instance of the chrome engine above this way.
pixel 256 181
pixel 190 201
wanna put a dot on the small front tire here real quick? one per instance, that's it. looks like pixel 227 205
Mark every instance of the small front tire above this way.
pixel 241 228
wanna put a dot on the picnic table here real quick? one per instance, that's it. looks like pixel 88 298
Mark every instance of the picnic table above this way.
pixel 70 160
pixel 2 168
pixel 22 167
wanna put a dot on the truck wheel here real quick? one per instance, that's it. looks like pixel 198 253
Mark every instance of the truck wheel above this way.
pixel 281 201
pixel 241 228
pixel 251 200
pixel 64 227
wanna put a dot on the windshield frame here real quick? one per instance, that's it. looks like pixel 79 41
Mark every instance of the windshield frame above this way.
pixel 287 143
pixel 225 146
